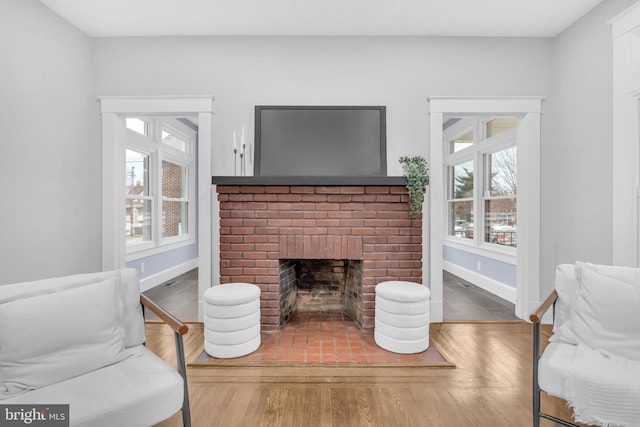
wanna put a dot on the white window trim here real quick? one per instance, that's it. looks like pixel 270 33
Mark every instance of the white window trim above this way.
pixel 158 152
pixel 496 252
pixel 477 154
pixel 113 109
pixel 528 137
pixel 178 129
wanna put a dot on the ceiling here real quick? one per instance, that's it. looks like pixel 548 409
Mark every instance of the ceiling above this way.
pixel 494 18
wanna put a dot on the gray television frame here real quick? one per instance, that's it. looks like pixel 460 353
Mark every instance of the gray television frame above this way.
pixel 383 128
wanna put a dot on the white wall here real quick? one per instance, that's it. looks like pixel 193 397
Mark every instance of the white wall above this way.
pixel 399 72
pixel 50 173
pixel 577 160
pixel 50 158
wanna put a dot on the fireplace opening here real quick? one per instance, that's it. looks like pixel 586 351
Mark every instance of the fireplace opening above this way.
pixel 320 286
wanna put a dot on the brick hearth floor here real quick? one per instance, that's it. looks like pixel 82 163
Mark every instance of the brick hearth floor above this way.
pixel 322 337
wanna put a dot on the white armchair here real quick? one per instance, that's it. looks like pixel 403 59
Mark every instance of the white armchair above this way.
pixel 593 358
pixel 79 340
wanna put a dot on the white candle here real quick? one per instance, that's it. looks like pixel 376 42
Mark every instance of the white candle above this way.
pixel 235 147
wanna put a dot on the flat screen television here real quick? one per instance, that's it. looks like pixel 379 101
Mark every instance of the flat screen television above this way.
pixel 320 141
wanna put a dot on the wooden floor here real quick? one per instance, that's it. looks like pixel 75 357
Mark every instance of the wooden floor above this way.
pixel 490 386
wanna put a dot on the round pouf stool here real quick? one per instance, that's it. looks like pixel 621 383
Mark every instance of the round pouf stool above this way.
pixel 402 317
pixel 231 320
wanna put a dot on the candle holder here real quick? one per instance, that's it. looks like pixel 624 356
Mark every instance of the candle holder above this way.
pixel 242 171
pixel 235 162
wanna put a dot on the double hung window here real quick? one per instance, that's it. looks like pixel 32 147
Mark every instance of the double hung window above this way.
pixel 481 189
pixel 159 189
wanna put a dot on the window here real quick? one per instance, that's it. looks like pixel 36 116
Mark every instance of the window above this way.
pixel 482 180
pixel 137 125
pixel 500 124
pixel 160 180
pixel 500 198
pixel 175 200
pixel 174 139
pixel 461 200
pixel 461 142
pixel 139 201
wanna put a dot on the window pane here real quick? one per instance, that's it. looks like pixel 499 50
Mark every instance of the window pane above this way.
pixel 138 211
pixel 461 142
pixel 137 169
pixel 138 221
pixel 461 219
pixel 137 125
pixel 174 180
pixel 501 222
pixel 500 124
pixel 503 173
pixel 174 141
pixel 175 217
pixel 462 180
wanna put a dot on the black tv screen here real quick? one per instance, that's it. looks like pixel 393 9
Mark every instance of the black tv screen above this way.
pixel 320 141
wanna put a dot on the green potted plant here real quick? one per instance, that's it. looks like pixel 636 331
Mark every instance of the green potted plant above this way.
pixel 416 171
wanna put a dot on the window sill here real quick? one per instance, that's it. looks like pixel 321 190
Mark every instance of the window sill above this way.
pixel 133 253
pixel 504 254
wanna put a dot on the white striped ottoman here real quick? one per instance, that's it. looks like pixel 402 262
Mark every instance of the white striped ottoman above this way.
pixel 402 317
pixel 231 320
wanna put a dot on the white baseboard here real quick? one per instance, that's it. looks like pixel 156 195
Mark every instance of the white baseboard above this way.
pixel 497 288
pixel 165 275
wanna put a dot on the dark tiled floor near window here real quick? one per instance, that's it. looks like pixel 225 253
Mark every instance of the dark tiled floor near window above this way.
pixel 178 296
pixel 462 300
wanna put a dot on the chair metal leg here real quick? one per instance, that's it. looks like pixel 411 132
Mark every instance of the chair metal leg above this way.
pixel 536 386
pixel 557 420
pixel 182 369
pixel 536 391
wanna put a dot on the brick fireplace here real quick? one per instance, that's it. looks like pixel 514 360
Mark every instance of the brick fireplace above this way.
pixel 330 243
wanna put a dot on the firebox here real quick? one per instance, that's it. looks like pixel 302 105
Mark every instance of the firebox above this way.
pixel 320 285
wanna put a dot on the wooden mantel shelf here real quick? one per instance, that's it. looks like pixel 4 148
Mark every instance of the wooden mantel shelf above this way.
pixel 309 180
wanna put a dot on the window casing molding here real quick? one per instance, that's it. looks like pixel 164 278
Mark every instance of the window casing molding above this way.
pixel 528 201
pixel 113 109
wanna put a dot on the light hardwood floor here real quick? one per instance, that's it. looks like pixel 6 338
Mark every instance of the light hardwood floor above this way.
pixel 490 386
